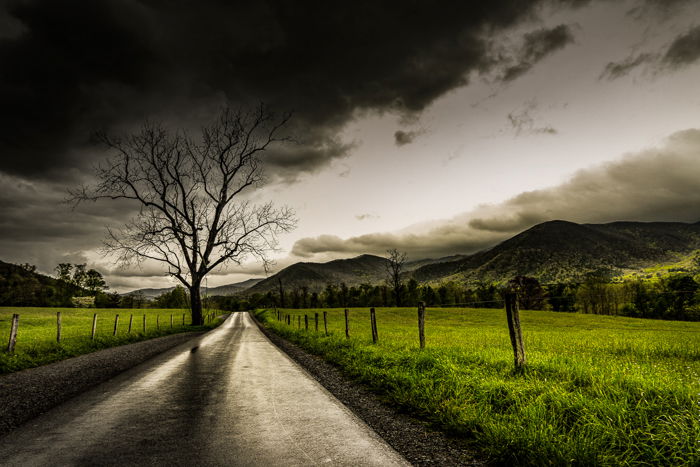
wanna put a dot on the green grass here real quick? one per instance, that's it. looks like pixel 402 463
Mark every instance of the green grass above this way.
pixel 36 334
pixel 598 390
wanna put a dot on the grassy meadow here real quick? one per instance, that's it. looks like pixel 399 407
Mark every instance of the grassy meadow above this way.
pixel 36 334
pixel 598 390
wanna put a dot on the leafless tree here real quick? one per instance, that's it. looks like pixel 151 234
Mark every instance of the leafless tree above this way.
pixel 394 268
pixel 192 216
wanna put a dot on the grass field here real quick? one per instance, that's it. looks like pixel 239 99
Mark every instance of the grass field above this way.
pixel 598 390
pixel 36 334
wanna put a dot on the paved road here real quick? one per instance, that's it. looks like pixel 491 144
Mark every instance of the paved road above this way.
pixel 229 397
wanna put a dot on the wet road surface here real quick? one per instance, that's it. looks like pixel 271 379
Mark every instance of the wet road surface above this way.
pixel 229 397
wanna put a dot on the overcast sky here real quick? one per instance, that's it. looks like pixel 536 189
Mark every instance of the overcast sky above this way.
pixel 433 127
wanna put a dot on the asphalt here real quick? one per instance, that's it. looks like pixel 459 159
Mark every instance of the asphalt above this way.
pixel 229 397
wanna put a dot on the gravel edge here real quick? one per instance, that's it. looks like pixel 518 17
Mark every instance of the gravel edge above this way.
pixel 28 393
pixel 413 439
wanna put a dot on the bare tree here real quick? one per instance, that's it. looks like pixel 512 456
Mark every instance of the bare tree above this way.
pixel 192 217
pixel 394 268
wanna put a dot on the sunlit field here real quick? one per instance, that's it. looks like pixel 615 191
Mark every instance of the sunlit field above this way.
pixel 597 389
pixel 37 332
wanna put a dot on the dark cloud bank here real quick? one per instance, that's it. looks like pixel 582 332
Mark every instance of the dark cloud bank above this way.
pixel 654 185
pixel 69 67
pixel 536 46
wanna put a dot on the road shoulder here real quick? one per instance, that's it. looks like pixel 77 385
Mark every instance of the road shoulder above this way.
pixel 410 437
pixel 28 393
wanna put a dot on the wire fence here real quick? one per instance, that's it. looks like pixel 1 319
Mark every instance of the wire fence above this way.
pixel 311 323
pixel 25 328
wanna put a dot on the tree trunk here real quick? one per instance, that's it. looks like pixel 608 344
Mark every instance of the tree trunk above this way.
pixel 196 305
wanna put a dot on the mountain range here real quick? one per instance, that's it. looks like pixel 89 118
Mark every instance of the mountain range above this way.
pixel 228 289
pixel 554 251
pixel 560 251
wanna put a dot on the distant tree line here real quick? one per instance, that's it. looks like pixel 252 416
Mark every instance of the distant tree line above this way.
pixel 675 297
pixel 21 285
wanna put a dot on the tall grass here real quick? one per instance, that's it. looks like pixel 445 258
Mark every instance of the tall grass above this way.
pixel 598 390
pixel 36 336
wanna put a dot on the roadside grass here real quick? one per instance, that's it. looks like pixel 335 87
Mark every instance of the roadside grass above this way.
pixel 598 390
pixel 36 334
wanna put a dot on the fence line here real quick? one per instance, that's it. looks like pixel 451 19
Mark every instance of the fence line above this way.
pixel 65 331
pixel 512 319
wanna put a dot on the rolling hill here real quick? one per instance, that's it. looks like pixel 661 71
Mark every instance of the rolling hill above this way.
pixel 354 271
pixel 23 286
pixel 564 251
pixel 228 289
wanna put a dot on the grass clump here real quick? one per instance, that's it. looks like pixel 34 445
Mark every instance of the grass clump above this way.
pixel 598 390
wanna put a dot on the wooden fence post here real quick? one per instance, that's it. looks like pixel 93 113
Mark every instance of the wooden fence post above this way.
pixel 421 324
pixel 58 327
pixel 183 318
pixel 516 333
pixel 347 323
pixel 171 320
pixel 144 323
pixel 325 322
pixel 131 322
pixel 116 324
pixel 306 322
pixel 94 326
pixel 316 321
pixel 13 333
pixel 299 322
pixel 373 323
pixel 157 322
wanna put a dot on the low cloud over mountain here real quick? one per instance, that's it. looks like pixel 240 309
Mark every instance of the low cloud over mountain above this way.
pixel 652 185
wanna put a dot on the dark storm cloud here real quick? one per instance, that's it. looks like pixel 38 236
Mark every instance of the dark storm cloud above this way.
pixel 615 70
pixel 70 67
pixel 39 228
pixel 684 50
pixel 654 185
pixel 536 46
pixel 402 138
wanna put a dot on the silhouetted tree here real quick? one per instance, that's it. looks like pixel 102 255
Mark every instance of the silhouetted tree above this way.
pixel 281 292
pixel 394 267
pixel 63 271
pixel 94 282
pixel 188 192
pixel 79 275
